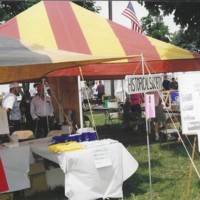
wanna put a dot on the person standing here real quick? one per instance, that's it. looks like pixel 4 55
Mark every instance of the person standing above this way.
pixel 101 91
pixel 160 118
pixel 166 83
pixel 12 107
pixel 41 111
pixel 174 84
pixel 135 103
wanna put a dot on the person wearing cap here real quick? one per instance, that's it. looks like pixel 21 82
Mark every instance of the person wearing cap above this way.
pixel 12 107
pixel 41 111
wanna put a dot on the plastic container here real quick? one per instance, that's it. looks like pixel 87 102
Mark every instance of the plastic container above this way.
pixel 106 103
pixel 72 137
pixel 92 136
pixel 78 137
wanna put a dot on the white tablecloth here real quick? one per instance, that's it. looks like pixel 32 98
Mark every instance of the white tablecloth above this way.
pixel 85 178
pixel 16 162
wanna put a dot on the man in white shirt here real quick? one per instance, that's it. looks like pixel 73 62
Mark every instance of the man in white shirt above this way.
pixel 160 115
pixel 41 112
pixel 12 107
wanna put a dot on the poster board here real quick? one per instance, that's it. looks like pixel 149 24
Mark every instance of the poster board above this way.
pixel 4 128
pixel 189 95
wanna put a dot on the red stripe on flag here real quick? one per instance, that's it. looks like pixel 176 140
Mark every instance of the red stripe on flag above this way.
pixel 3 180
pixel 65 27
pixel 10 29
pixel 129 12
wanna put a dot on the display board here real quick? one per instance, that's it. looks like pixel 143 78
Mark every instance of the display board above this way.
pixel 189 95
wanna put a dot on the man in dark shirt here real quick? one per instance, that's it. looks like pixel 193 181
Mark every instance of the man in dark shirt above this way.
pixel 174 84
pixel 101 91
pixel 166 83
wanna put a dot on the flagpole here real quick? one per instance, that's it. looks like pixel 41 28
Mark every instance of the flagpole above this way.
pixel 112 88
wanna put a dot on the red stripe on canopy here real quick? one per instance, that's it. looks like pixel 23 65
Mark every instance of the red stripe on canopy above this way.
pixel 10 28
pixel 132 40
pixel 67 28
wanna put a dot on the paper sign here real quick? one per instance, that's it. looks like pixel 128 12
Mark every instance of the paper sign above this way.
pixel 3 180
pixel 101 158
pixel 4 128
pixel 149 106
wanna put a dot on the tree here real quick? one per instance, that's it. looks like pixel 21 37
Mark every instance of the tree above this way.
pixel 155 27
pixel 186 14
pixel 9 9
pixel 183 40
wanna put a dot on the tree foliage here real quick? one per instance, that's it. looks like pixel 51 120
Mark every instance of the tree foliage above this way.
pixel 186 14
pixel 9 9
pixel 182 39
pixel 155 27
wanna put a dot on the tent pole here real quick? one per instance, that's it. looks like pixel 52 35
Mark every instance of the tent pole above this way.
pixel 80 103
pixel 147 135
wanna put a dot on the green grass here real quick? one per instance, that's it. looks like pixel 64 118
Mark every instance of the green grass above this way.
pixel 169 173
pixel 99 119
pixel 169 170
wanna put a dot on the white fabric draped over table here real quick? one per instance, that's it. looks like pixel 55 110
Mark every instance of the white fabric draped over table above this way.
pixel 16 163
pixel 95 172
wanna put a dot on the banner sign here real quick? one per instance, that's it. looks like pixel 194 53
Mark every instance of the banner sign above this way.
pixel 143 83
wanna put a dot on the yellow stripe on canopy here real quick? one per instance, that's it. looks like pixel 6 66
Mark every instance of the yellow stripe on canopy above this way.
pixel 92 27
pixel 38 20
pixel 168 51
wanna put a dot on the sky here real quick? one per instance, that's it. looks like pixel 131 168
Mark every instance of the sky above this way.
pixel 119 6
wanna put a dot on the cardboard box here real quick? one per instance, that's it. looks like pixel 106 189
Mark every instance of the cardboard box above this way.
pixel 37 179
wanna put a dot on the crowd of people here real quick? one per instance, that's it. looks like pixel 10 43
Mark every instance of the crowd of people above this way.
pixel 134 101
pixel 95 92
pixel 37 110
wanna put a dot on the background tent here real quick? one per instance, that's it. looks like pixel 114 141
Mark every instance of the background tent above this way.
pixel 25 61
pixel 66 26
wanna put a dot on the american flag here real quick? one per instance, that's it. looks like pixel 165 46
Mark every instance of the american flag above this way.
pixel 130 13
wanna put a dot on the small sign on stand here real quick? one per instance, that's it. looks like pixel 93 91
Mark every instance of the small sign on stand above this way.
pixel 149 106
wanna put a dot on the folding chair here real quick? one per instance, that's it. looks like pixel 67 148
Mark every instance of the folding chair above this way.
pixel 112 112
pixel 173 126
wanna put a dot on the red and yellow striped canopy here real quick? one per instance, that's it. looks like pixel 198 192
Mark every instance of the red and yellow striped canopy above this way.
pixel 64 25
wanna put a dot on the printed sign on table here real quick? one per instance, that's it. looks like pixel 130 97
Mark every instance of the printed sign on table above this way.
pixel 101 158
